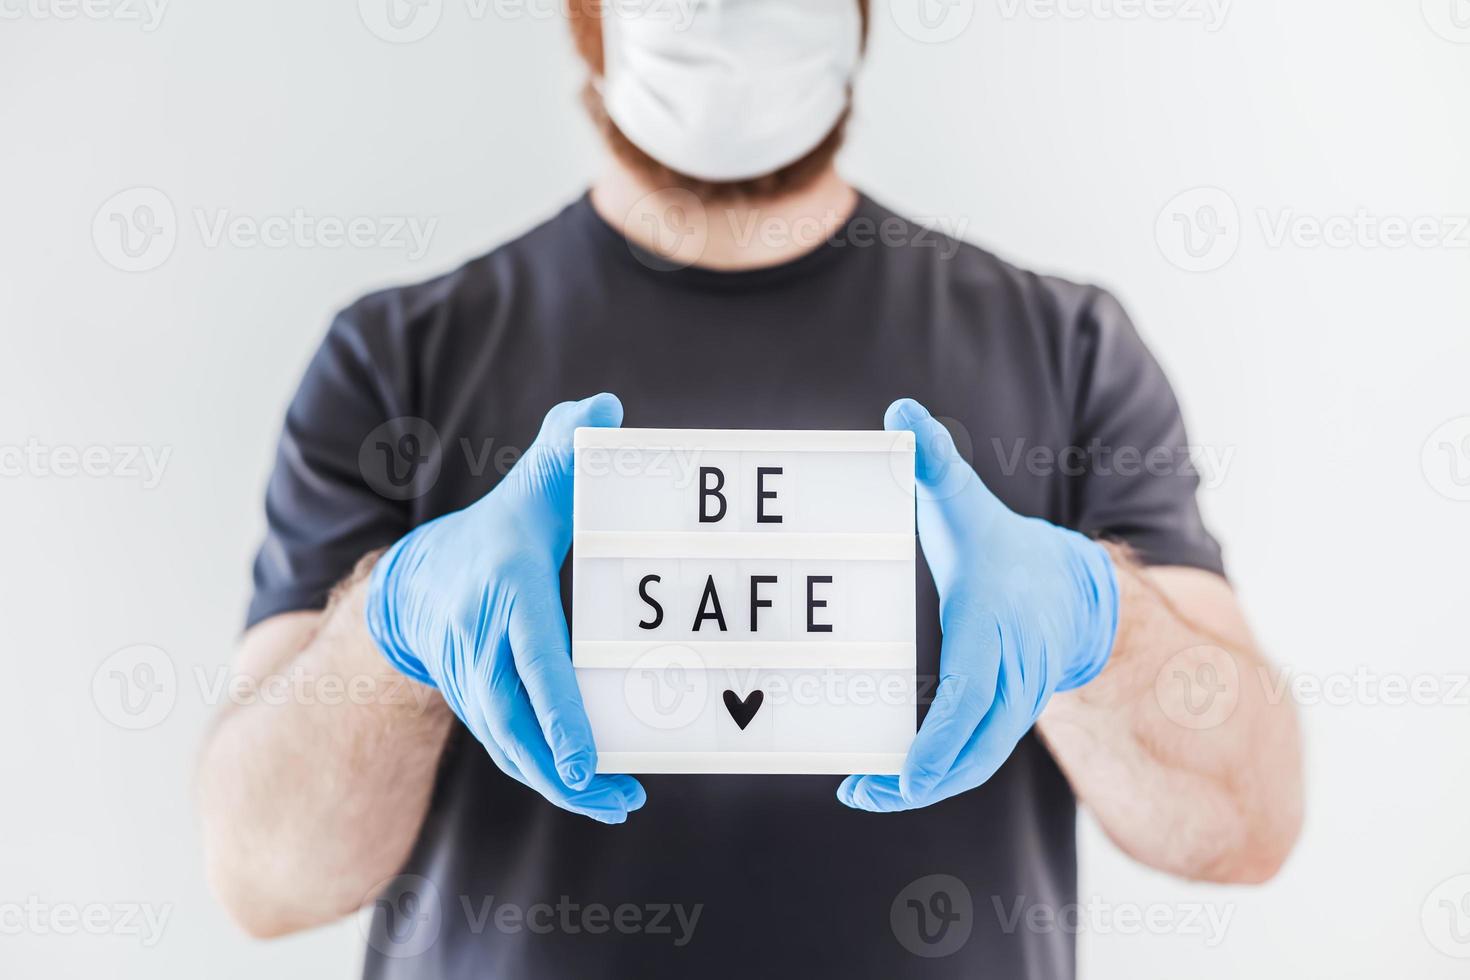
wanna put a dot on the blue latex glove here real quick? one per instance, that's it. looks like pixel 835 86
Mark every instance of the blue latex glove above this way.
pixel 471 604
pixel 1027 608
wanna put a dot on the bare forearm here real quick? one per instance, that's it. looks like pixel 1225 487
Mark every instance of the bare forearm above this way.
pixel 1177 747
pixel 310 798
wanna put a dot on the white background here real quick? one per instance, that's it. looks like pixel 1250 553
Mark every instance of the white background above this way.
pixel 1056 140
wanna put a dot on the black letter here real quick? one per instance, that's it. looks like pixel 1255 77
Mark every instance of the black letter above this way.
pixel 812 604
pixel 706 491
pixel 755 601
pixel 709 595
pixel 762 494
pixel 658 611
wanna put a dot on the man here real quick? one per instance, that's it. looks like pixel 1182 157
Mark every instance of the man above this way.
pixel 466 809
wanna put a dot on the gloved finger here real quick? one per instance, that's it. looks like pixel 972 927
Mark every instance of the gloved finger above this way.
pixel 978 761
pixel 513 730
pixel 939 764
pixel 994 739
pixel 542 653
pixel 876 794
pixel 969 665
pixel 513 726
pixel 471 710
pixel 473 716
pixel 982 756
pixel 992 743
pixel 942 475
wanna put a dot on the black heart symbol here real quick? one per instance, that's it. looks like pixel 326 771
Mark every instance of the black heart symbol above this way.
pixel 743 711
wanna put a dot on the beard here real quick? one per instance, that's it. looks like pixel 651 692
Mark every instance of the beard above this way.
pixel 790 179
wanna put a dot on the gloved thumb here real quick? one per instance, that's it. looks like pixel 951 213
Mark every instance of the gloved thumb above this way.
pixel 943 479
pixel 940 472
pixel 602 411
pixel 548 463
pixel 935 453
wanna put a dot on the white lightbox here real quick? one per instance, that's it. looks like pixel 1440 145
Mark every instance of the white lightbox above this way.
pixel 743 601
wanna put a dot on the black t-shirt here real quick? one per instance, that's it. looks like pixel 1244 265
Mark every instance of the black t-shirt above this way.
pixel 1045 384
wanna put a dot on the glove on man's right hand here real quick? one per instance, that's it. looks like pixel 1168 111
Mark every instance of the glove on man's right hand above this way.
pixel 471 604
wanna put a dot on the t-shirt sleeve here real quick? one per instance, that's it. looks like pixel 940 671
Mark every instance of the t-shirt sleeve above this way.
pixel 322 513
pixel 1137 483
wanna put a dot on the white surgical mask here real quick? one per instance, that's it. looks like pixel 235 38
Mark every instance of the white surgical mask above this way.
pixel 725 90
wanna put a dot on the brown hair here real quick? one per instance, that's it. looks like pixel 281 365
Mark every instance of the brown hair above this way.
pixel 585 18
